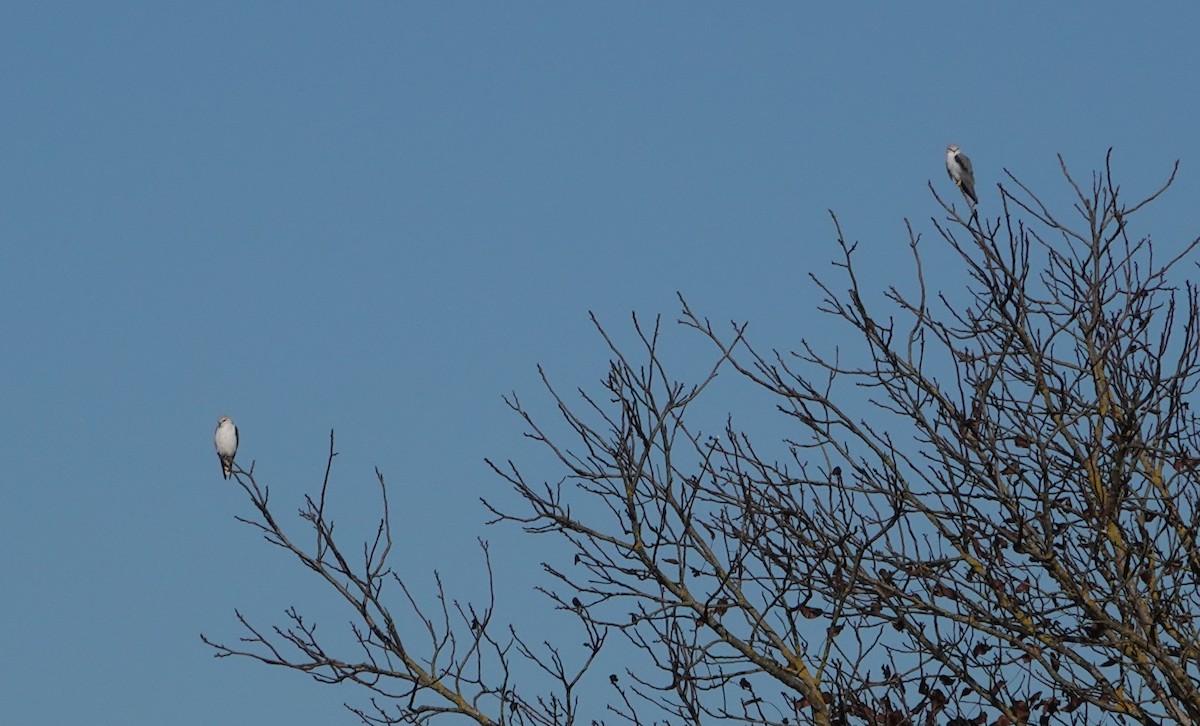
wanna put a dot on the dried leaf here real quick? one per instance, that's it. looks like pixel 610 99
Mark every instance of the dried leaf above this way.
pixel 810 612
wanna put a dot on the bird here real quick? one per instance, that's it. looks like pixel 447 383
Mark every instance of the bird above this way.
pixel 958 166
pixel 226 439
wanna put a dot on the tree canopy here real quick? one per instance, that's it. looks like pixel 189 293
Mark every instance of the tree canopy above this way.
pixel 986 516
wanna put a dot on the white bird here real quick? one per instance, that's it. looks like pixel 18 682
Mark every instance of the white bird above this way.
pixel 226 439
pixel 958 166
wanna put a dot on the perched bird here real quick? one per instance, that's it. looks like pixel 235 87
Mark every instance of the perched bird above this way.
pixel 226 439
pixel 958 166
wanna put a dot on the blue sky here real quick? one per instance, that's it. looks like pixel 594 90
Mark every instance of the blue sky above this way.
pixel 380 217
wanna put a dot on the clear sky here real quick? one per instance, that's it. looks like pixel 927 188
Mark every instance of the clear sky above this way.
pixel 379 217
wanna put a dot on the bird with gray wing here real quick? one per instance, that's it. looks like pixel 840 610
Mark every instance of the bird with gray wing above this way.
pixel 958 166
pixel 226 440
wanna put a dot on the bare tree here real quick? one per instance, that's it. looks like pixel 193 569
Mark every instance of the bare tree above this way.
pixel 989 518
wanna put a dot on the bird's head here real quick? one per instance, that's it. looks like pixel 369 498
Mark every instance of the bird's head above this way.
pixel 952 148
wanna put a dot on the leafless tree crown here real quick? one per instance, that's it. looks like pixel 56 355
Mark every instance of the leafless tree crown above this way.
pixel 988 518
